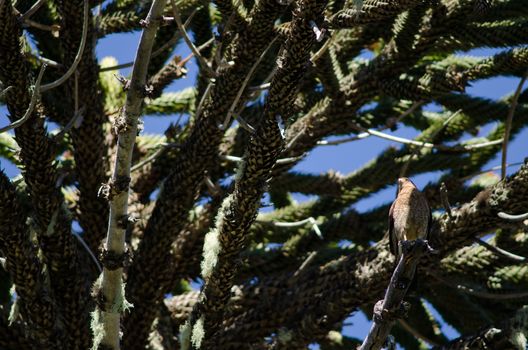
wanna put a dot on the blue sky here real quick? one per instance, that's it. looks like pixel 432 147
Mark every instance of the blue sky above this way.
pixel 343 158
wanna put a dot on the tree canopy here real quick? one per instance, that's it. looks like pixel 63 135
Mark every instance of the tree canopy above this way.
pixel 106 225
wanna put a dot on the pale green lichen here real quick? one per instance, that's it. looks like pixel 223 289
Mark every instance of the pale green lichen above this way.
pixel 211 249
pixel 96 323
pixel 284 336
pixel 198 333
pixel 335 337
pixel 121 304
pixel 14 312
pixel 185 336
pixel 518 339
pixel 98 330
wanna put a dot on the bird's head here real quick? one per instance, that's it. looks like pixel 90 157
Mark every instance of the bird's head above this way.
pixel 404 182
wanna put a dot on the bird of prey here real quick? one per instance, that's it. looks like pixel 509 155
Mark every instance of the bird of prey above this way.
pixel 409 216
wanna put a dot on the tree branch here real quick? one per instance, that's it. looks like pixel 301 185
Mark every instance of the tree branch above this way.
pixel 78 57
pixel 386 311
pixel 34 99
pixel 509 120
pixel 109 288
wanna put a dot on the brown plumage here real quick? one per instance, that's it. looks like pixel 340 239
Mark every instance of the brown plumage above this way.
pixel 409 216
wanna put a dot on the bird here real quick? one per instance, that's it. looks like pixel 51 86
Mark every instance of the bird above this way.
pixel 409 216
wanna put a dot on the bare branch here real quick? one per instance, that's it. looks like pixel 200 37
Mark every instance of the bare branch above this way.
pixel 236 159
pixel 34 98
pixel 459 148
pixel 498 167
pixel 509 120
pixel 364 135
pixel 89 251
pixel 106 318
pixel 309 220
pixel 165 46
pixel 153 156
pixel 479 293
pixel 5 91
pixel 78 57
pixel 506 216
pixel 321 51
pixel 189 42
pixel 498 251
pixel 386 311
pixel 445 199
pixel 231 110
pixel 36 6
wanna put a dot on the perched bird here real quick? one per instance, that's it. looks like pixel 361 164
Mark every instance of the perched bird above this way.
pixel 409 216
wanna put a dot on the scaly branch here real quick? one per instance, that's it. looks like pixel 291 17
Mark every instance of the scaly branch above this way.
pixel 149 275
pixel 109 288
pixel 25 270
pixel 508 335
pixel 369 269
pixel 224 242
pixel 34 99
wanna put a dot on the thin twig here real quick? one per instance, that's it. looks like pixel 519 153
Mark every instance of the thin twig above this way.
pixel 392 307
pixel 54 28
pixel 480 294
pixel 319 33
pixel 498 167
pixel 509 120
pixel 289 160
pixel 504 253
pixel 309 220
pixel 305 263
pixel 236 159
pixel 416 333
pixel 205 95
pixel 5 91
pixel 321 51
pixel 75 122
pixel 511 217
pixel 32 10
pixel 461 147
pixel 294 139
pixel 445 199
pixel 92 255
pixel 364 135
pixel 34 98
pixel 189 42
pixel 160 50
pixel 260 87
pixel 245 125
pixel 50 63
pixel 415 152
pixel 152 157
pixel 218 52
pixel 214 189
pixel 71 70
pixel 231 110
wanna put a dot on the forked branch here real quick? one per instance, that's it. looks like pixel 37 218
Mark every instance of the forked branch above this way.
pixel 386 311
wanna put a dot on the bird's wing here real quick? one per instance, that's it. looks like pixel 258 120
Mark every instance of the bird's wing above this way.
pixel 393 241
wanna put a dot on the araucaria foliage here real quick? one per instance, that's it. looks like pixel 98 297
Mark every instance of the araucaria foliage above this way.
pixel 104 226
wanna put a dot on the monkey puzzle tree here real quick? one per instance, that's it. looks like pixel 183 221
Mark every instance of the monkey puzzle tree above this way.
pixel 276 79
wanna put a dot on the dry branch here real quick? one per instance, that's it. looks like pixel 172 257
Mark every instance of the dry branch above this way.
pixel 392 307
pixel 109 289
